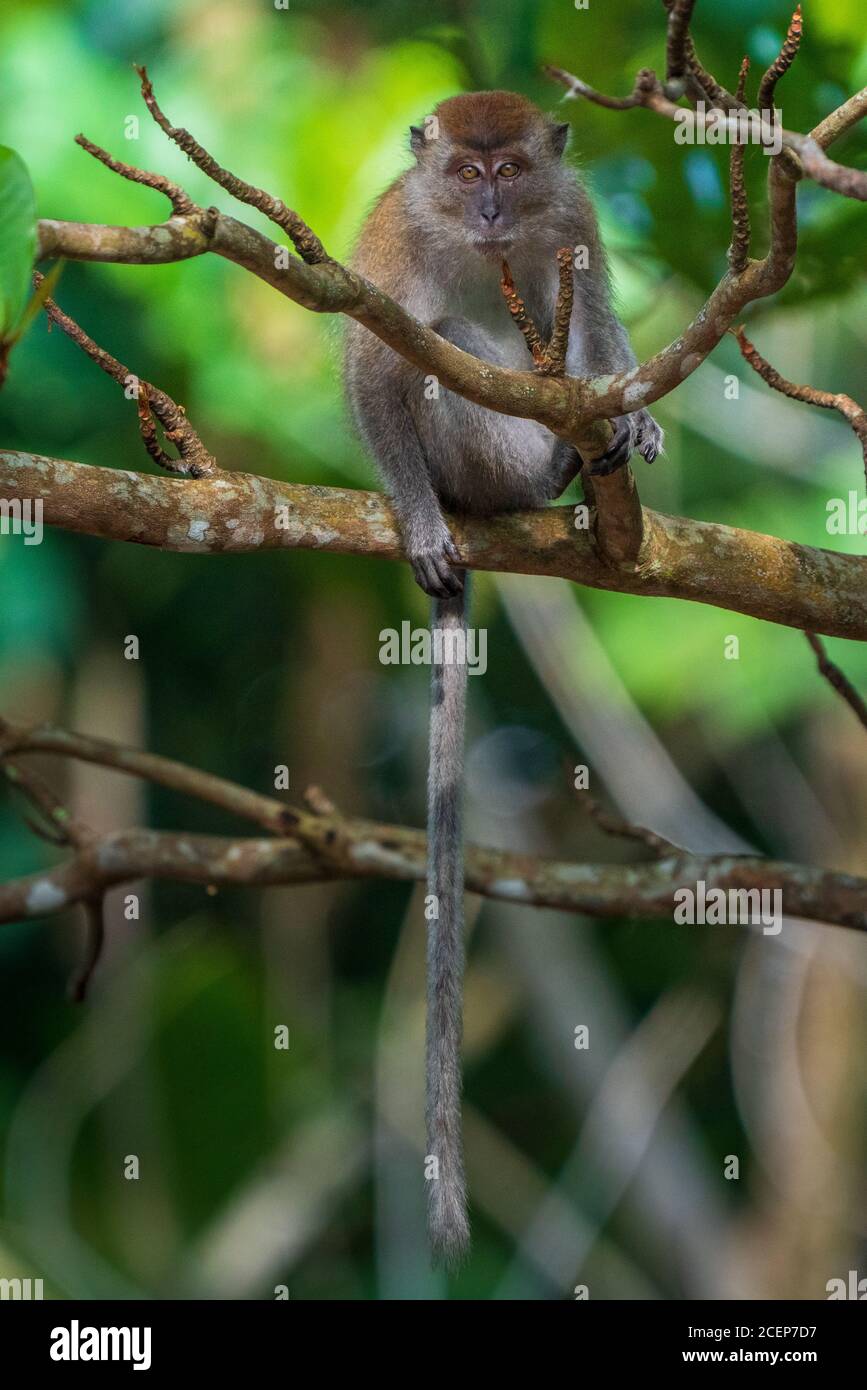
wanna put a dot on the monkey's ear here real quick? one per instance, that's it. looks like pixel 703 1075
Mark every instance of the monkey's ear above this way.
pixel 417 141
pixel 560 137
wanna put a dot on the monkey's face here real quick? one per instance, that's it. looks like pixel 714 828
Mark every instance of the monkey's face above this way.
pixel 486 196
pixel 490 200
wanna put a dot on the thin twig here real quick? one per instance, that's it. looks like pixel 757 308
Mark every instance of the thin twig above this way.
pixel 518 309
pixel 180 201
pixel 800 155
pixel 841 120
pixel 195 461
pixel 854 414
pixel 575 87
pixel 679 17
pixel 549 355
pixel 613 824
pixel 714 92
pixel 58 827
pixel 305 241
pixel 838 679
pixel 558 343
pixel 739 251
pixel 702 84
pixel 781 64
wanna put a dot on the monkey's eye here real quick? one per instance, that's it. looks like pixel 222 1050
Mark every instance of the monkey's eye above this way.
pixel 469 173
pixel 508 171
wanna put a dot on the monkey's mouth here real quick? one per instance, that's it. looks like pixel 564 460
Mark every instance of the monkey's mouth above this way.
pixel 492 245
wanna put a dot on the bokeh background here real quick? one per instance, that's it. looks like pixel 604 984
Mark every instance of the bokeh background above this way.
pixel 303 1167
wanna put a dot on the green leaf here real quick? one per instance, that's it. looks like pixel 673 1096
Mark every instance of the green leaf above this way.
pixel 17 238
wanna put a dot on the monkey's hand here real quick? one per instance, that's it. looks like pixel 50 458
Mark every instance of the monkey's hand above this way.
pixel 632 433
pixel 432 567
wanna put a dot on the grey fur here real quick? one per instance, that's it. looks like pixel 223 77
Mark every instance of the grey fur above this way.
pixel 433 247
pixel 447 1197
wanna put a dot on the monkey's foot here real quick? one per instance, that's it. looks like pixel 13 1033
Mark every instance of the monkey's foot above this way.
pixel 618 452
pixel 649 437
pixel 433 570
pixel 632 433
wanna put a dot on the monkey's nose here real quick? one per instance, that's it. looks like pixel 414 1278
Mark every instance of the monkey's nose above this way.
pixel 492 216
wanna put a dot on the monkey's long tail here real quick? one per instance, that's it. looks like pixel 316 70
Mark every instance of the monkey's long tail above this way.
pixel 447 1196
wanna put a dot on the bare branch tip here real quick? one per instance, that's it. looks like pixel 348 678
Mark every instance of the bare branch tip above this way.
pixel 319 802
pixel 781 64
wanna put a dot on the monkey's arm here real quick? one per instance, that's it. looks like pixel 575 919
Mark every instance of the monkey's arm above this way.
pixel 383 391
pixel 598 345
pixel 380 390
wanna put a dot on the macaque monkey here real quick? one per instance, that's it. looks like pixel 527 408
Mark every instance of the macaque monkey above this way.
pixel 489 183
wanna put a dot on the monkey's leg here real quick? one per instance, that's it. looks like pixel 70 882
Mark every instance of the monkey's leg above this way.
pixel 565 465
pixel 386 413
pixel 480 460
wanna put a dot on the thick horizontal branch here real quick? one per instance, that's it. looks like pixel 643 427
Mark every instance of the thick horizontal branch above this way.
pixel 795 585
pixel 319 844
pixel 393 852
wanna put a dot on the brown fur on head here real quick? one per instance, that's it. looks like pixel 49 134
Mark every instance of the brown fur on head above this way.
pixel 488 120
pixel 488 165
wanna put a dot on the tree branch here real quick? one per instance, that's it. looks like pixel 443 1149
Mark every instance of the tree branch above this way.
pixel 739 251
pixel 195 461
pixel 783 582
pixel 579 411
pixel 306 243
pixel 576 410
pixel 637 891
pixel 649 92
pixel 679 16
pixel 838 680
pixel 781 64
pixel 841 121
pixel 63 829
pixel 853 413
pixel 325 846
